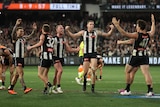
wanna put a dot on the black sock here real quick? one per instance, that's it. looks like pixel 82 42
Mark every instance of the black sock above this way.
pixel 45 88
pixel 100 77
pixel 11 88
pixel 127 87
pixel 92 88
pixel 24 88
pixel 3 83
pixel 58 85
pixel 49 84
pixel 149 88
pixel 93 85
pixel 85 81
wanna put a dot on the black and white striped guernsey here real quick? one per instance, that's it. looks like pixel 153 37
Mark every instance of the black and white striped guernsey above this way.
pixel 90 42
pixel 47 47
pixel 59 47
pixel 19 48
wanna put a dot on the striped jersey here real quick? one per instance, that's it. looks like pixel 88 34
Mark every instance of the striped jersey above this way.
pixel 59 46
pixel 90 42
pixel 141 44
pixel 19 48
pixel 47 47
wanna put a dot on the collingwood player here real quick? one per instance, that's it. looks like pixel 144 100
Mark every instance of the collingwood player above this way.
pixel 46 43
pixel 139 55
pixel 90 48
pixel 19 40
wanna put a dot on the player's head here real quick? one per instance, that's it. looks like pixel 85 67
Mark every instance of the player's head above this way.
pixel 60 29
pixel 19 31
pixel 141 25
pixel 90 24
pixel 45 28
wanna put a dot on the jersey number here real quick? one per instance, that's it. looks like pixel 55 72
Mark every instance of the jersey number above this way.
pixel 50 42
pixel 144 43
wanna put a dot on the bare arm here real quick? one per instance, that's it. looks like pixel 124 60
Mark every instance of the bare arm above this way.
pixel 37 44
pixel 108 33
pixel 130 41
pixel 69 49
pixel 122 32
pixel 152 31
pixel 80 33
pixel 34 26
pixel 13 35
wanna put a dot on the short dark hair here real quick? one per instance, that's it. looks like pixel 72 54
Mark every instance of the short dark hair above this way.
pixel 46 28
pixel 141 24
pixel 90 21
pixel 19 28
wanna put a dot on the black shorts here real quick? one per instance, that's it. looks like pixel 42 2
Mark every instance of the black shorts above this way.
pixel 81 60
pixel 45 63
pixel 136 61
pixel 57 59
pixel 6 61
pixel 19 62
pixel 88 56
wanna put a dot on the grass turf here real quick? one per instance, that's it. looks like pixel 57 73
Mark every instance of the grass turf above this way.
pixel 106 94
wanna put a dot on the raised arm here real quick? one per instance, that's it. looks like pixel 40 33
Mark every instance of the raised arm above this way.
pixel 34 26
pixel 152 31
pixel 123 32
pixel 108 33
pixel 13 35
pixel 37 44
pixel 125 42
pixel 76 35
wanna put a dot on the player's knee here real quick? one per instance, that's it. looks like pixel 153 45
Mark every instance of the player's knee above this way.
pixel 93 68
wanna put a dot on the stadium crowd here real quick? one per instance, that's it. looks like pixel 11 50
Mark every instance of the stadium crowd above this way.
pixel 91 1
pixel 108 45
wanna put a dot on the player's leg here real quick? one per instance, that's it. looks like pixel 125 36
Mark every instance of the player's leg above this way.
pixel 128 70
pixel 148 79
pixel 4 69
pixel 59 69
pixel 93 69
pixel 11 69
pixel 86 65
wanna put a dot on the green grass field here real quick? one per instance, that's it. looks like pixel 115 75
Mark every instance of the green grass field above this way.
pixel 106 94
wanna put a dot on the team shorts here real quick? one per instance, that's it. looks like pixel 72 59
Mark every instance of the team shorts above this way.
pixel 81 60
pixel 136 61
pixel 57 59
pixel 45 63
pixel 88 56
pixel 19 62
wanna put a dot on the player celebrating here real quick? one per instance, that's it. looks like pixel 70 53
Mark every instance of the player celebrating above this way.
pixel 90 47
pixel 19 41
pixel 139 56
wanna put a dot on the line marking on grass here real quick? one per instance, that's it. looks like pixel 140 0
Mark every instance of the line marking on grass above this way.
pixel 141 96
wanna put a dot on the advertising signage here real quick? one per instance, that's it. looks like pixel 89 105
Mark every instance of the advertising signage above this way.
pixel 121 7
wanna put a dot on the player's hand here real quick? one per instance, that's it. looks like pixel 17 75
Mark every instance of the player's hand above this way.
pixel 115 21
pixel 111 26
pixel 118 42
pixel 19 21
pixel 67 28
pixel 152 18
pixel 34 26
pixel 29 48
